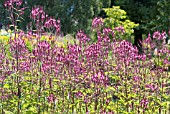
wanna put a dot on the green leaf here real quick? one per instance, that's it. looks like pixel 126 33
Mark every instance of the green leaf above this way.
pixel 8 112
pixel 110 89
pixel 6 86
pixel 18 20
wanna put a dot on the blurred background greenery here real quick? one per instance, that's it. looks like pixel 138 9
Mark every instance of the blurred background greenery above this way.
pixel 150 15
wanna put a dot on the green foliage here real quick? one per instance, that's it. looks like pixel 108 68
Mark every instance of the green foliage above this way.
pixel 73 14
pixel 162 19
pixel 76 14
pixel 117 17
pixel 152 15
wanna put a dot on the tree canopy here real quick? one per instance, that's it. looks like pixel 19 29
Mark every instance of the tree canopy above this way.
pixel 77 14
pixel 73 14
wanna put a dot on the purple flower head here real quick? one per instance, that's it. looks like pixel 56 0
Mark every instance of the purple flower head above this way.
pixel 163 36
pixel 163 51
pixel 58 26
pixel 24 66
pixel 157 35
pixel 38 14
pixel 152 87
pixel 92 52
pixel 21 34
pixel 147 42
pixel 82 37
pixel 20 52
pixel 10 3
pixel 97 22
pixel 42 49
pixel 125 52
pixel 51 98
pixel 144 103
pixel 43 52
pixel 74 49
pixel 52 23
pixel 142 57
pixel 107 31
pixel 29 34
pixel 2 78
pixel 4 97
pixel 46 67
pixel 79 94
pixel 166 61
pixel 78 68
pixel 120 29
pixel 60 55
pixel 18 44
pixel 86 100
pixel 74 52
pixel 136 78
pixel 99 78
pixel 148 39
pixel 18 2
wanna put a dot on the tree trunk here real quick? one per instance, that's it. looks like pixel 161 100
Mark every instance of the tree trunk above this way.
pixel 138 39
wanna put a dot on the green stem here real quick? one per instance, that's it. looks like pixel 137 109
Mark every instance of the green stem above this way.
pixel 2 99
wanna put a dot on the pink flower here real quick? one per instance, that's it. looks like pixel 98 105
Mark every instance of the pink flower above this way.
pixel 152 87
pixel 38 14
pixel 163 36
pixel 79 94
pixel 136 78
pixel 148 39
pixel 144 103
pixel 106 31
pixel 10 3
pixel 97 22
pixel 120 29
pixel 52 24
pixel 51 98
pixel 82 37
pixel 157 35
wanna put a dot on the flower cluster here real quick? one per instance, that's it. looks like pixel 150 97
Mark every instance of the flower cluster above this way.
pixel 120 29
pixel 125 52
pixel 20 52
pixel 38 14
pixel 52 24
pixel 97 22
pixel 144 103
pixel 82 37
pixel 99 78
pixel 42 21
pixel 43 54
pixel 10 3
pixel 92 52
pixel 152 87
pixel 159 36
pixel 107 31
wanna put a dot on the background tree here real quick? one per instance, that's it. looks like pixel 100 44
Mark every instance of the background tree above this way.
pixel 116 17
pixel 74 14
pixel 162 19
pixel 77 14
pixel 139 11
pixel 2 13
